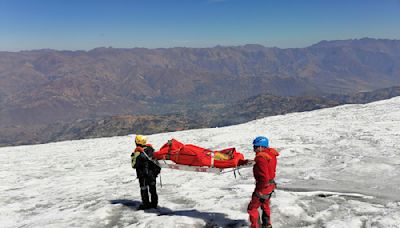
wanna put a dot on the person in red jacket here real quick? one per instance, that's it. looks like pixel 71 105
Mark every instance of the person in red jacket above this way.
pixel 264 173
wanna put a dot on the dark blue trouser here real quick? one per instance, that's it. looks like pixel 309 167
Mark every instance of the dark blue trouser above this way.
pixel 148 185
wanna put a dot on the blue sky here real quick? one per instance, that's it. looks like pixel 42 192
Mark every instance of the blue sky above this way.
pixel 86 24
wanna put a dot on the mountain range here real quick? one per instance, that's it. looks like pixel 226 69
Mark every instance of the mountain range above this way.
pixel 44 86
pixel 48 87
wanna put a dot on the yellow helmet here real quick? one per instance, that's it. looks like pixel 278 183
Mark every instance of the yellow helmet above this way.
pixel 140 140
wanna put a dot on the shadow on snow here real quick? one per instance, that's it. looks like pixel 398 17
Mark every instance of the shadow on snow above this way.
pixel 212 219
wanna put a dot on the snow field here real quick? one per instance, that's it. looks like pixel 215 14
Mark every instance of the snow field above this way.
pixel 339 167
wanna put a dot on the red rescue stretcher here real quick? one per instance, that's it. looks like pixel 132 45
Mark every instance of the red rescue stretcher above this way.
pixel 190 157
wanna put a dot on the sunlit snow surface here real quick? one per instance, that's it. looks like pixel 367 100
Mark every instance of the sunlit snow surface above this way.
pixel 339 167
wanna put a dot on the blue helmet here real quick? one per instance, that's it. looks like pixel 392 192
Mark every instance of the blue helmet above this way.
pixel 261 141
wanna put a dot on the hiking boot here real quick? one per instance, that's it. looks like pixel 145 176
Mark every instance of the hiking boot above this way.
pixel 267 226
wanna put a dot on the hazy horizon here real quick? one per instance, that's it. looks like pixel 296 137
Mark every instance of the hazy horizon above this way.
pixel 206 47
pixel 85 25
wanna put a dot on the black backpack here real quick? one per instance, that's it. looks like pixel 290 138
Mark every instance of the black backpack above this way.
pixel 153 165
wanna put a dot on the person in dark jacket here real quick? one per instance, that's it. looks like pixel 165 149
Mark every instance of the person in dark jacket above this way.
pixel 264 173
pixel 146 171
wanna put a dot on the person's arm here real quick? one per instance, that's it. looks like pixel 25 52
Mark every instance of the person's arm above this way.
pixel 262 173
pixel 134 157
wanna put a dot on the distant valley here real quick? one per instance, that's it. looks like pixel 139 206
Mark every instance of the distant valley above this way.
pixel 187 118
pixel 149 90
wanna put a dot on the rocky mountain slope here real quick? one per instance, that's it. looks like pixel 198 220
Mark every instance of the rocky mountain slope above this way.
pixel 190 118
pixel 45 86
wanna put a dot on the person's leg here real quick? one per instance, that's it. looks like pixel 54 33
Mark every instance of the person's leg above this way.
pixel 144 192
pixel 252 209
pixel 153 192
pixel 266 215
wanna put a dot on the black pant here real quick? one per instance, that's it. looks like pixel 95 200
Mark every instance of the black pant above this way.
pixel 148 185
